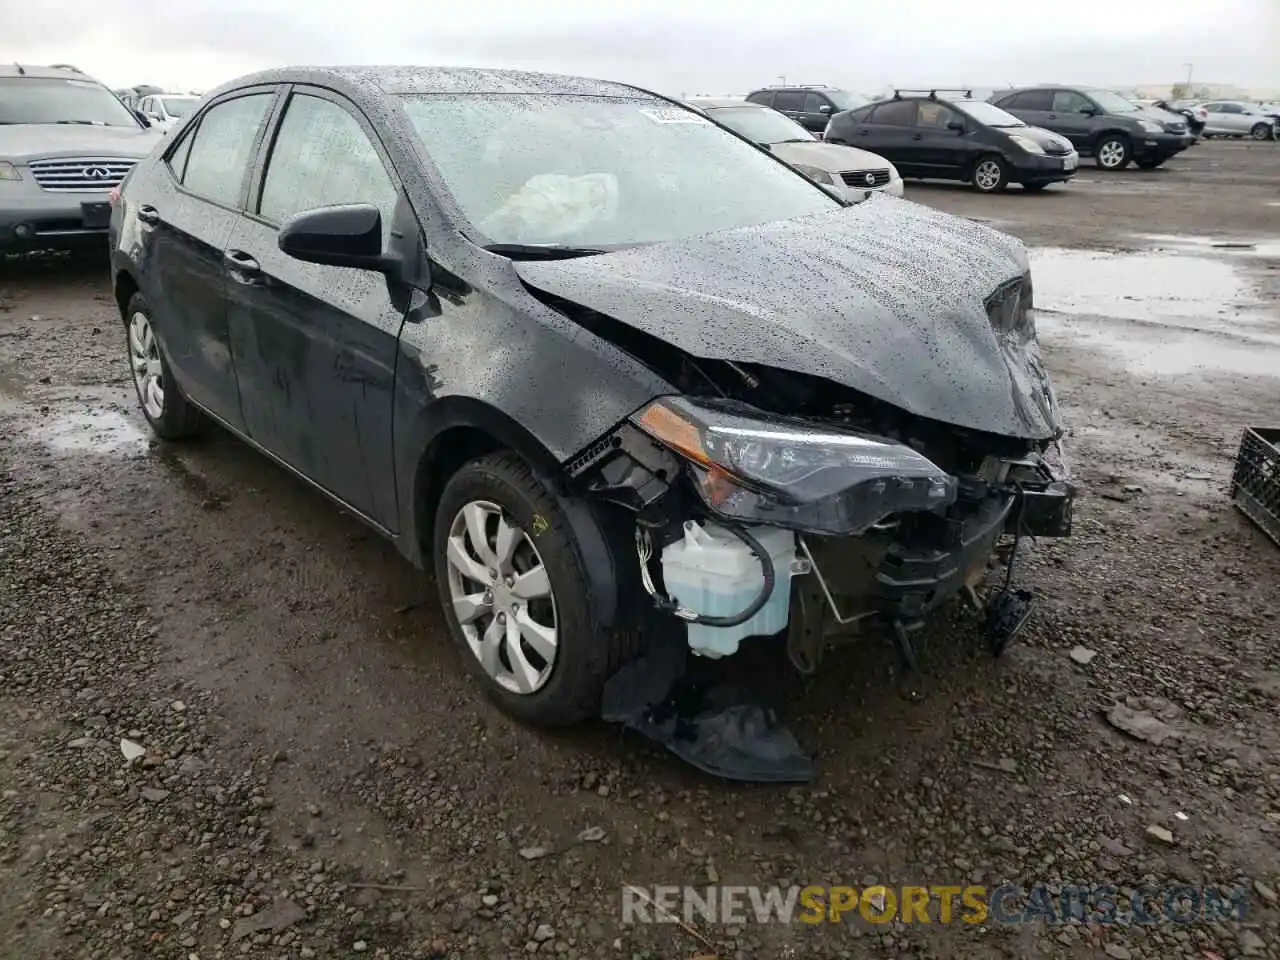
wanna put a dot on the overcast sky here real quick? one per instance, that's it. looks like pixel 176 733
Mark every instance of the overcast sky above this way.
pixel 675 46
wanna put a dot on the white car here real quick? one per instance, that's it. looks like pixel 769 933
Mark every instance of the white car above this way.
pixel 164 110
pixel 1237 118
pixel 853 173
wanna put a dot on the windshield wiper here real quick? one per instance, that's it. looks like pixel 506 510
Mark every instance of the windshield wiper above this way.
pixel 540 251
pixel 87 123
pixel 797 140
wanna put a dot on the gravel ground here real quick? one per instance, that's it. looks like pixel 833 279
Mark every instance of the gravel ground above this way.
pixel 315 776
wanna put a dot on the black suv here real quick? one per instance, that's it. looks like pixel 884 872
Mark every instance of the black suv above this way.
pixel 541 331
pixel 956 138
pixel 810 106
pixel 1101 124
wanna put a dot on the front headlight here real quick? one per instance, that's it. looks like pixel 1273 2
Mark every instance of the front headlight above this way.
pixel 1150 126
pixel 813 173
pixel 8 171
pixel 750 466
pixel 1026 144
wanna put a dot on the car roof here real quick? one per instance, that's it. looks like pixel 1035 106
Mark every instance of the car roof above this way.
pixel 42 72
pixel 397 80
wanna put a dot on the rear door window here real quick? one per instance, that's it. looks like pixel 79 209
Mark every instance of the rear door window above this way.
pixel 222 148
pixel 792 100
pixel 1034 100
pixel 896 113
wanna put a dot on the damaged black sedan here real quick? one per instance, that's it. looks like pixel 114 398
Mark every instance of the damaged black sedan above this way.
pixel 609 370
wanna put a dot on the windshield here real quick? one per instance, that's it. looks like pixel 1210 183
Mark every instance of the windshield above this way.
pixel 844 100
pixel 58 100
pixel 760 124
pixel 600 172
pixel 178 106
pixel 1112 102
pixel 988 113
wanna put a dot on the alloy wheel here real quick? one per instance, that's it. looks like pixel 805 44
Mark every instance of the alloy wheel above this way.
pixel 144 358
pixel 502 597
pixel 988 175
pixel 1262 132
pixel 1111 154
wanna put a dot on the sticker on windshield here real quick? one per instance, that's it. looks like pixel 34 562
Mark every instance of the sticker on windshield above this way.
pixel 673 115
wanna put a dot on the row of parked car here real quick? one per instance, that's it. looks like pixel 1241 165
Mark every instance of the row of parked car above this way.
pixel 1033 136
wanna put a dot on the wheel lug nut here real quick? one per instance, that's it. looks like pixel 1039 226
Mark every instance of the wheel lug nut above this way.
pixel 502 618
pixel 510 580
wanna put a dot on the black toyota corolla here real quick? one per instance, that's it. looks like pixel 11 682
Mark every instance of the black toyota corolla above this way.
pixel 605 368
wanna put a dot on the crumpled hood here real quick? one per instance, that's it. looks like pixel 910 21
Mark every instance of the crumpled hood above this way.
pixel 886 298
pixel 36 141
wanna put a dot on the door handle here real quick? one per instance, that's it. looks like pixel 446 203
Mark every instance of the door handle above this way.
pixel 241 265
pixel 148 214
pixel 1053 116
pixel 917 136
pixel 864 133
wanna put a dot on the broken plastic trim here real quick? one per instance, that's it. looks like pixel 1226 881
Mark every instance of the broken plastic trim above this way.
pixel 644 549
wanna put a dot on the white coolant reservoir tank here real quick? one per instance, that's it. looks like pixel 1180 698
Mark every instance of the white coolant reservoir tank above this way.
pixel 714 573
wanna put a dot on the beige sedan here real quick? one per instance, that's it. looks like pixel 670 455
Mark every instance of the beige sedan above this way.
pixel 853 173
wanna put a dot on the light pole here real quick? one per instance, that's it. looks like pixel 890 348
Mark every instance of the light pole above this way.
pixel 1189 67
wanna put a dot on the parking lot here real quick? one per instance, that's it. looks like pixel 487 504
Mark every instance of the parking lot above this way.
pixel 314 745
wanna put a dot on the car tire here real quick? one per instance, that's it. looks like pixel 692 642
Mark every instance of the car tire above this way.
pixel 1260 131
pixel 168 412
pixel 1149 164
pixel 1113 153
pixel 990 174
pixel 549 643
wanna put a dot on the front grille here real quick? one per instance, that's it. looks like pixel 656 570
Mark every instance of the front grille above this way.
pixel 865 178
pixel 80 173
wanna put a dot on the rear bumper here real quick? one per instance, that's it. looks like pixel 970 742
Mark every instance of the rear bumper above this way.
pixel 53 220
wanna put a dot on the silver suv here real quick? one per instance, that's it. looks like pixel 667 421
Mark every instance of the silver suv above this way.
pixel 65 141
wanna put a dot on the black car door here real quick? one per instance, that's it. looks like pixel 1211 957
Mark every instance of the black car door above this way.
pixel 315 346
pixel 1069 118
pixel 186 222
pixel 888 130
pixel 936 148
pixel 817 111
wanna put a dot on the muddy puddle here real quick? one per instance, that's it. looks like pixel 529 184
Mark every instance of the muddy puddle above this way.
pixel 1268 248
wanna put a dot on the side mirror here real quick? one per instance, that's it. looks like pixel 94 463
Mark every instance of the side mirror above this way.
pixel 1089 111
pixel 956 125
pixel 825 108
pixel 348 235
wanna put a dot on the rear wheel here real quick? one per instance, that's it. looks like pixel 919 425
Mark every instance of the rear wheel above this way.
pixel 1113 153
pixel 1261 131
pixel 517 596
pixel 990 174
pixel 164 406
